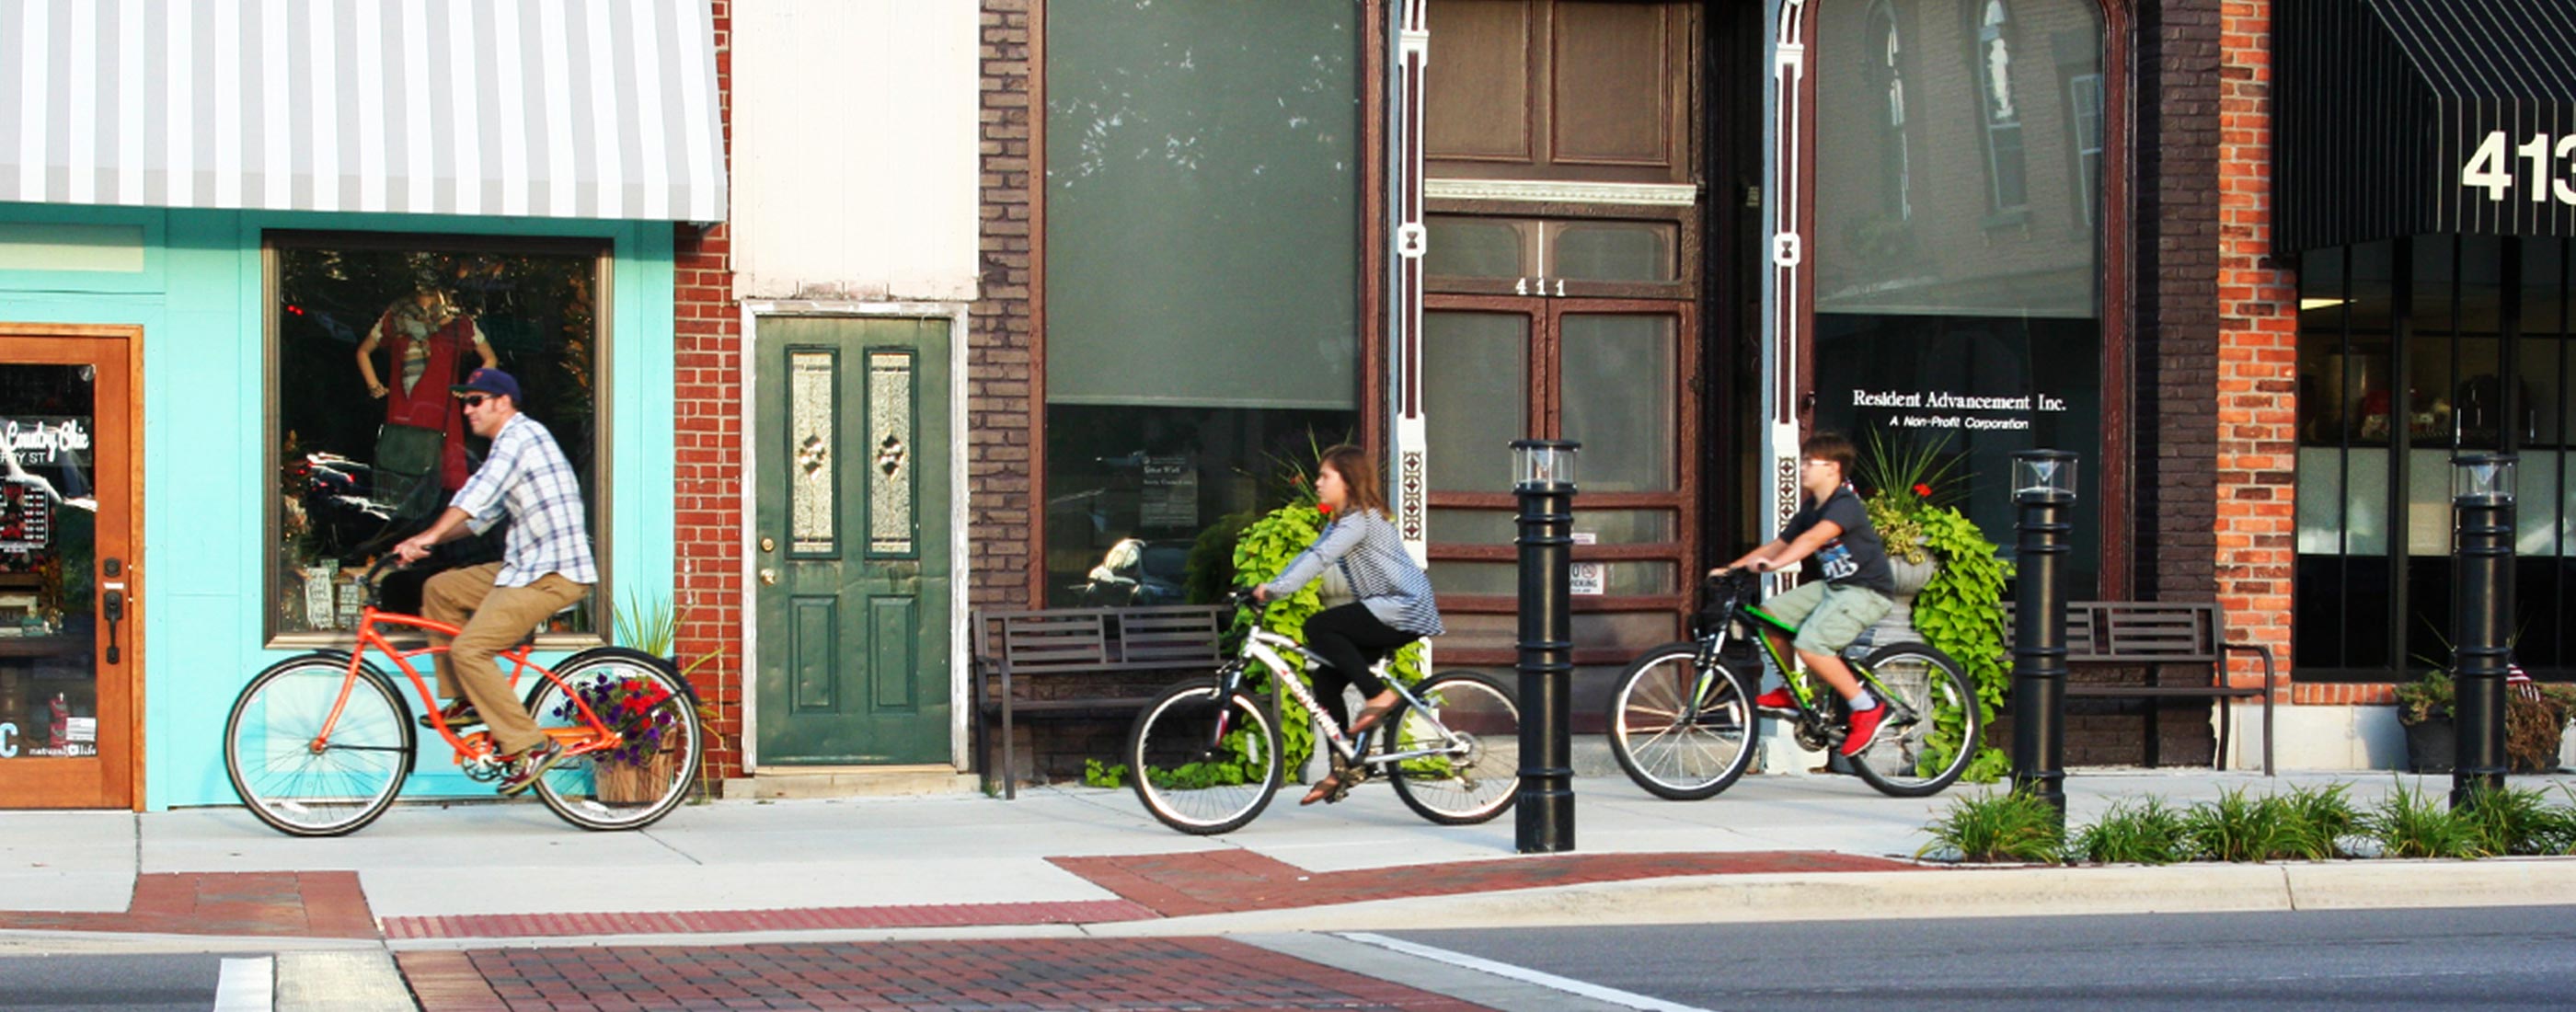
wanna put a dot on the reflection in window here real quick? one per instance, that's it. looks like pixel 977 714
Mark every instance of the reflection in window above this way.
pixel 369 444
pixel 1918 295
pixel 2002 116
pixel 1896 169
pixel 1202 302
pixel 2478 329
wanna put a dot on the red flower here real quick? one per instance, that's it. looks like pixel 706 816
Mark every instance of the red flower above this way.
pixel 1923 490
pixel 1324 508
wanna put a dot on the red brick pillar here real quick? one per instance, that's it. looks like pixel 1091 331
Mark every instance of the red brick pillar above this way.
pixel 2258 334
pixel 707 391
pixel 1004 362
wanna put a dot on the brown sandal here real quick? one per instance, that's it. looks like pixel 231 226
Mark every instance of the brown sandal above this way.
pixel 1326 790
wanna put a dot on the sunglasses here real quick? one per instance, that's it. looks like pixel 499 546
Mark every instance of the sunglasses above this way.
pixel 474 401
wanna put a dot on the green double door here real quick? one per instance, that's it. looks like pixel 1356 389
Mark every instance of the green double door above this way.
pixel 851 561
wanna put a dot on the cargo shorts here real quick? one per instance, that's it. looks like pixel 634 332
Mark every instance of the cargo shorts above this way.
pixel 1828 616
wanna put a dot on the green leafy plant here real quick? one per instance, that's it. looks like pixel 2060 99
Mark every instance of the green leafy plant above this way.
pixel 1098 774
pixel 1903 483
pixel 2415 823
pixel 1911 498
pixel 2516 821
pixel 2424 699
pixel 2011 826
pixel 2242 827
pixel 2326 819
pixel 2148 832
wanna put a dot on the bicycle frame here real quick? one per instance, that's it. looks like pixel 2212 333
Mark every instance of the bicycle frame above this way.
pixel 477 749
pixel 1270 649
pixel 1809 707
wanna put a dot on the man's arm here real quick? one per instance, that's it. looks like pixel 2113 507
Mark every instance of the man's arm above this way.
pixel 449 525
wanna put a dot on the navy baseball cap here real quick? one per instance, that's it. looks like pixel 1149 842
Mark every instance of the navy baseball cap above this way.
pixel 489 381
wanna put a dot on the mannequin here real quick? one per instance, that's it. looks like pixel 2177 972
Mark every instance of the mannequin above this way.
pixel 426 335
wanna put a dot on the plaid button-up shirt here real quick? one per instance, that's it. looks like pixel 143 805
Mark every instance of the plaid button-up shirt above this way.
pixel 527 477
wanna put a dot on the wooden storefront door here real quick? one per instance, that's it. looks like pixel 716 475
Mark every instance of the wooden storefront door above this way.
pixel 71 656
pixel 851 541
pixel 1614 374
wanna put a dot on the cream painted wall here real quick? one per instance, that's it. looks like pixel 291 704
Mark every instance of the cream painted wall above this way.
pixel 854 151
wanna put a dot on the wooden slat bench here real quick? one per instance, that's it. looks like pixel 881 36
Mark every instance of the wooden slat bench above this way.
pixel 2152 634
pixel 1014 647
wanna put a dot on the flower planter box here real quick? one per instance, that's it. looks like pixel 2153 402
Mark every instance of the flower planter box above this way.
pixel 2431 746
pixel 620 783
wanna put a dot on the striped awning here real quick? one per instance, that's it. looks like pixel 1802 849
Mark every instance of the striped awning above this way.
pixel 2423 117
pixel 554 109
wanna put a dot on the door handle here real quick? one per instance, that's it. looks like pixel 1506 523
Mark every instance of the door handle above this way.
pixel 113 607
pixel 769 578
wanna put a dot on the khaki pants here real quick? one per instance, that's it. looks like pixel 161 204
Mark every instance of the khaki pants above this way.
pixel 492 619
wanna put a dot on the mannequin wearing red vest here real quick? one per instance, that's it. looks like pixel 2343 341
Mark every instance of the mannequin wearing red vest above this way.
pixel 425 336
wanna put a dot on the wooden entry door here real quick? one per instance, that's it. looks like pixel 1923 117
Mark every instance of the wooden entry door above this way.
pixel 851 540
pixel 1614 374
pixel 71 655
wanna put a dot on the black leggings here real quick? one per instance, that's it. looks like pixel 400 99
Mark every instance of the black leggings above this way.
pixel 1352 639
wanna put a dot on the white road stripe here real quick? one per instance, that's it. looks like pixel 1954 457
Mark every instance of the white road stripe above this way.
pixel 1525 975
pixel 246 985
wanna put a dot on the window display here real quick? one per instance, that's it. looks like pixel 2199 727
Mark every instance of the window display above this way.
pixel 368 334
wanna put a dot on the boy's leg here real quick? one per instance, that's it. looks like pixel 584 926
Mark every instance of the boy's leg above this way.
pixel 1793 607
pixel 1838 620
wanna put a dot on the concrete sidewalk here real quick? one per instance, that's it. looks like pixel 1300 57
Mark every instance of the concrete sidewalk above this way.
pixel 1091 861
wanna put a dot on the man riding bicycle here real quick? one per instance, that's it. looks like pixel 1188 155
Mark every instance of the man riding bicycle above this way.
pixel 1832 526
pixel 545 567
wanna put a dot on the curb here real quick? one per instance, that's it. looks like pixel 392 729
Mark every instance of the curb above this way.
pixel 1967 892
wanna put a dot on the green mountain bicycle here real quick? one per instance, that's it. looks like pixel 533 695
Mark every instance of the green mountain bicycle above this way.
pixel 1683 723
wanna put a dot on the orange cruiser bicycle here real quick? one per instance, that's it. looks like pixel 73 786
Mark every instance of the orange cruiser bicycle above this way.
pixel 320 743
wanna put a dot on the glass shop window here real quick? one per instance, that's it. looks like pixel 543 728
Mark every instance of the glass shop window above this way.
pixel 367 334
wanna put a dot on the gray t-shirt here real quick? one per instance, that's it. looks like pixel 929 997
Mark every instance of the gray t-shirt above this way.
pixel 1858 557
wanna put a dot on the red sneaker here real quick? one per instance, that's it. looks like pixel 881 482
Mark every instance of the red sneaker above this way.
pixel 1864 726
pixel 1776 699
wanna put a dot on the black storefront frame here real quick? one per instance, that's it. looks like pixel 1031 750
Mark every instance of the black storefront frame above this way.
pixel 2412 642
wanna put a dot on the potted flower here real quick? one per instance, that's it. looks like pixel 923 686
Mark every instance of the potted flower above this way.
pixel 1902 488
pixel 2424 710
pixel 632 772
pixel 1949 576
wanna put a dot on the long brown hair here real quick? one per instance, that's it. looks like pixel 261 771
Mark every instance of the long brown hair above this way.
pixel 1366 487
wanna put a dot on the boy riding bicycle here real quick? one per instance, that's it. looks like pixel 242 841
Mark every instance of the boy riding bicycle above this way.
pixel 1832 526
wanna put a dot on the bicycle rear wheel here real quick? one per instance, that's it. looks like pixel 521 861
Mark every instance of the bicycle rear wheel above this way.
pixel 1681 732
pixel 1191 778
pixel 640 781
pixel 1930 739
pixel 289 773
pixel 1476 771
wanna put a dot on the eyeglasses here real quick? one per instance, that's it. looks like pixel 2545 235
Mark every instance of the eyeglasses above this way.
pixel 475 401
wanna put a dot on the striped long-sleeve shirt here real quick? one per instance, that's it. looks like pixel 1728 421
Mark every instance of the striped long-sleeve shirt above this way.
pixel 1365 544
pixel 527 477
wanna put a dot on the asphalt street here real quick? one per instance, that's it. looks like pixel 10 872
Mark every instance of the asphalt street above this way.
pixel 2483 958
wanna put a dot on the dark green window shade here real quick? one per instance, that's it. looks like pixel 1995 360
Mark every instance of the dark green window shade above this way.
pixel 1203 175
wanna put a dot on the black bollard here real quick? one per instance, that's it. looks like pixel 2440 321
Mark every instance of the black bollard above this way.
pixel 2481 645
pixel 2044 487
pixel 1543 471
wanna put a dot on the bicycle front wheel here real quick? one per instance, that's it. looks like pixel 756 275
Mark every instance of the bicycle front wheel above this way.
pixel 314 750
pixel 1203 764
pixel 1472 729
pixel 1929 740
pixel 644 699
pixel 1681 732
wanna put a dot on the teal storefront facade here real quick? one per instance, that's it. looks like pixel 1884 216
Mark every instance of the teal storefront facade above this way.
pixel 241 246
pixel 202 583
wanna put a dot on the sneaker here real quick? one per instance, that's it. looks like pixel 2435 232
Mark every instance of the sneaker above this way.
pixel 1864 726
pixel 1776 699
pixel 528 765
pixel 459 716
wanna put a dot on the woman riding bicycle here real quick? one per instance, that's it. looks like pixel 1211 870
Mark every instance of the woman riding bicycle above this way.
pixel 1395 605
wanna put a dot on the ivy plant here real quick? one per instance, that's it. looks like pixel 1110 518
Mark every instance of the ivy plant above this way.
pixel 1960 613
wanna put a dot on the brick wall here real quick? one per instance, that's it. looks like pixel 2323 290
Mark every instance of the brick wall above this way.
pixel 2257 352
pixel 2177 342
pixel 1001 352
pixel 707 409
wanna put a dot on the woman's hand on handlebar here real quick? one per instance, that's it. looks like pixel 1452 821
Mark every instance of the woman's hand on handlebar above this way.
pixel 1261 594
